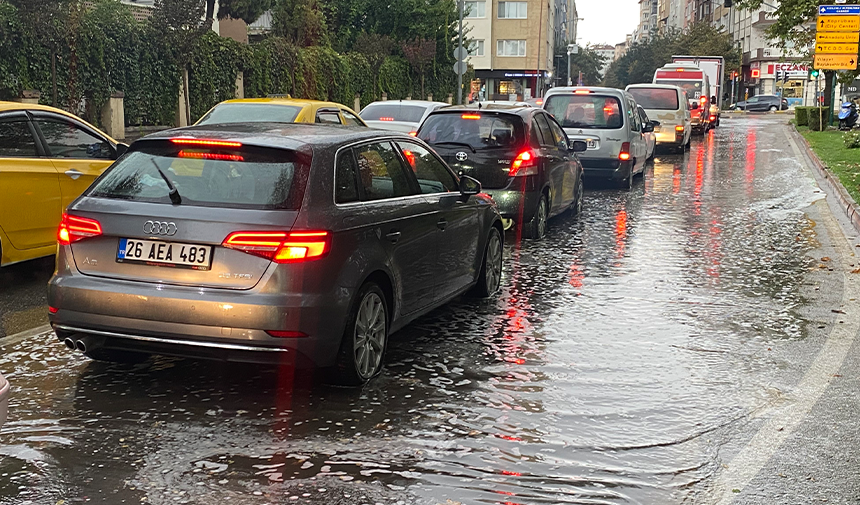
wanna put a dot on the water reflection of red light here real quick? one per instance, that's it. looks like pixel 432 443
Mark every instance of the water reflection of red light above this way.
pixel 750 165
pixel 676 179
pixel 576 275
pixel 620 232
pixel 508 472
pixel 509 437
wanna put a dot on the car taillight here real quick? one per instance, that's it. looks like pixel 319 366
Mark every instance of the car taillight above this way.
pixel 205 142
pixel 286 334
pixel 624 155
pixel 581 92
pixel 704 100
pixel 74 228
pixel 712 118
pixel 679 128
pixel 413 134
pixel 386 119
pixel 281 246
pixel 210 156
pixel 471 116
pixel 524 164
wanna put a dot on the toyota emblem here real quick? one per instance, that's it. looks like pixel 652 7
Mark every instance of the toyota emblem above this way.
pixel 461 156
pixel 159 228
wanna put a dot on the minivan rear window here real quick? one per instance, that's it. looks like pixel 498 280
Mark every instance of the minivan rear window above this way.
pixel 586 111
pixel 393 112
pixel 478 130
pixel 656 98
pixel 243 178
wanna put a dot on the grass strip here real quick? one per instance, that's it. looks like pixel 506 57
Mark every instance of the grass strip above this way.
pixel 843 162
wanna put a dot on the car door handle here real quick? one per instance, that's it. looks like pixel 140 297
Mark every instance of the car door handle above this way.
pixel 74 174
pixel 442 224
pixel 393 236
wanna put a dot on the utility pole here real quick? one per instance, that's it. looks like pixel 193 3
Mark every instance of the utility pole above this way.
pixel 462 4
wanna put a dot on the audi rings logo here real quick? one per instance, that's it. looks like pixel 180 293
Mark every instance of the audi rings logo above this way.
pixel 461 156
pixel 159 228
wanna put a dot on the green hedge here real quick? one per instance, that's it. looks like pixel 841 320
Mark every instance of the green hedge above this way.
pixel 815 114
pixel 800 116
pixel 107 50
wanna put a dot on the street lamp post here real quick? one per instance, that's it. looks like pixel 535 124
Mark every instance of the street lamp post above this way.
pixel 571 49
pixel 462 5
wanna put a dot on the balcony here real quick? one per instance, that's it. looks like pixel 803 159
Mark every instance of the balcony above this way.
pixel 764 20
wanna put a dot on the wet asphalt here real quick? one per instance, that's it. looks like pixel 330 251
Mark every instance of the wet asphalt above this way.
pixel 671 345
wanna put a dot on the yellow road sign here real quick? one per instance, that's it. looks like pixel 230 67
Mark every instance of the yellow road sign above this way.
pixel 838 23
pixel 835 61
pixel 835 48
pixel 836 38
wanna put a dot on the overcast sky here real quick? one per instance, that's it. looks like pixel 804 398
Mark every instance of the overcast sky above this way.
pixel 606 21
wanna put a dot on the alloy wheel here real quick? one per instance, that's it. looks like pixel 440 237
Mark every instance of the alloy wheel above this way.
pixel 493 272
pixel 580 188
pixel 369 337
pixel 541 216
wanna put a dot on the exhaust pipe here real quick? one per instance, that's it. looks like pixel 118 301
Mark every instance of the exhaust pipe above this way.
pixel 69 343
pixel 81 346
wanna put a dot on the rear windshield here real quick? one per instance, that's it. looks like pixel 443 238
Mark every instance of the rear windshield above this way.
pixel 393 112
pixel 586 111
pixel 251 112
pixel 656 98
pixel 244 178
pixel 478 130
pixel 693 88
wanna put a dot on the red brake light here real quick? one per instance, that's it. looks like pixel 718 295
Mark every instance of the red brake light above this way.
pixel 582 92
pixel 524 164
pixel 704 100
pixel 73 228
pixel 712 118
pixel 203 142
pixel 210 156
pixel 53 310
pixel 624 155
pixel 280 246
pixel 410 158
pixel 413 134
pixel 471 116
pixel 286 334
pixel 386 119
pixel 679 128
pixel 679 69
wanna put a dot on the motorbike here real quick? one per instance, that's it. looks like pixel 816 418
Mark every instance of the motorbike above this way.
pixel 847 116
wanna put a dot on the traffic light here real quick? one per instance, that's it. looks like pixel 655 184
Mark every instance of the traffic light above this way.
pixel 813 74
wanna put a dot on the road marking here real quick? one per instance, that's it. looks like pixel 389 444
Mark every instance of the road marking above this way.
pixel 783 422
pixel 32 332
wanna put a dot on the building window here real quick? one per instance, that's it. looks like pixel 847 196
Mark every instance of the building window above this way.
pixel 476 48
pixel 476 9
pixel 511 47
pixel 512 10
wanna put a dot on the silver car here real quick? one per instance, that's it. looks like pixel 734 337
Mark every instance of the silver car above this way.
pixel 607 120
pixel 264 242
pixel 398 115
pixel 5 390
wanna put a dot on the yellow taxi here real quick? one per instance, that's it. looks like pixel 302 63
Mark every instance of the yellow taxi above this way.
pixel 280 110
pixel 48 157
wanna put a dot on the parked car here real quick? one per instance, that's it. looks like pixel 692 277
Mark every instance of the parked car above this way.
pixel 606 119
pixel 650 136
pixel 521 155
pixel 5 390
pixel 669 105
pixel 280 110
pixel 398 115
pixel 262 241
pixel 48 157
pixel 761 103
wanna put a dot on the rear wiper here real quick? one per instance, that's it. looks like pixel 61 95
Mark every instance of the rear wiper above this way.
pixel 457 144
pixel 174 193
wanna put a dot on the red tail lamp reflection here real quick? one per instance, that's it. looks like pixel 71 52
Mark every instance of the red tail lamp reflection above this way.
pixel 620 232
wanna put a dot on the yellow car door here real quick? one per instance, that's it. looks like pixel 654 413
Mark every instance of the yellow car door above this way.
pixel 79 153
pixel 30 200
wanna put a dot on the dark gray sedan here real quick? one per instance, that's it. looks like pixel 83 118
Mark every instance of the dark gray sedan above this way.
pixel 762 103
pixel 264 242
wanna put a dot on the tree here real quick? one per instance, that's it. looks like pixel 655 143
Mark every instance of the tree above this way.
pixel 376 48
pixel 47 21
pixel 420 53
pixel 587 61
pixel 301 22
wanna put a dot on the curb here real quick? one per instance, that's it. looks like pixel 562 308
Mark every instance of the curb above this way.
pixel 845 201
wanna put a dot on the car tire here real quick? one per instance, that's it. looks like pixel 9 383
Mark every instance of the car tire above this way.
pixel 490 278
pixel 536 228
pixel 576 207
pixel 772 108
pixel 362 348
pixel 627 183
pixel 116 356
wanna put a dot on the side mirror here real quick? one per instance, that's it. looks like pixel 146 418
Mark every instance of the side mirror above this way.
pixel 579 146
pixel 655 124
pixel 121 149
pixel 469 186
pixel 647 128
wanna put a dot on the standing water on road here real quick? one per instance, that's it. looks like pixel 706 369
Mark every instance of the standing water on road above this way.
pixel 619 350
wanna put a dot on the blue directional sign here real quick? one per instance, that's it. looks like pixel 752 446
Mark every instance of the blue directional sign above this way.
pixel 850 10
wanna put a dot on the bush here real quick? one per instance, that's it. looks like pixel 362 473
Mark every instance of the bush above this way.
pixel 800 116
pixel 817 118
pixel 851 139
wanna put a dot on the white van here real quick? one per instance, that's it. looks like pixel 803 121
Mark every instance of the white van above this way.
pixel 669 105
pixel 695 82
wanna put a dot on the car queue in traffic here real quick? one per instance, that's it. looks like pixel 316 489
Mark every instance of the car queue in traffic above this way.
pixel 286 231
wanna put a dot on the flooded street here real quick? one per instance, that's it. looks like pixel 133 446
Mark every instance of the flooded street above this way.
pixel 630 356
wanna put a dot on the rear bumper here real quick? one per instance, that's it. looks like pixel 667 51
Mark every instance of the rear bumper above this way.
pixel 192 322
pixel 600 168
pixel 670 137
pixel 518 206
pixel 5 391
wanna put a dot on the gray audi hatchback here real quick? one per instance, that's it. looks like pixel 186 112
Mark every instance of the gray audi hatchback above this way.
pixel 264 242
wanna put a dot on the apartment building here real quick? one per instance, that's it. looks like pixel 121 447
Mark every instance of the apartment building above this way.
pixel 608 54
pixel 512 46
pixel 648 19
